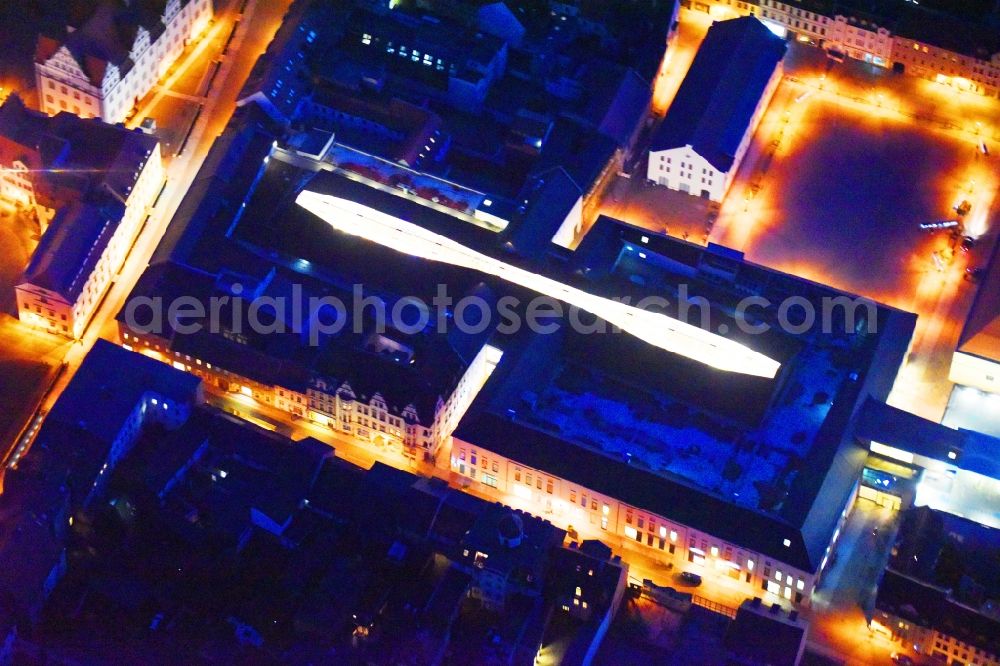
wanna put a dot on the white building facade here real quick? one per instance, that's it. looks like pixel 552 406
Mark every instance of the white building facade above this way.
pixel 371 419
pixel 67 312
pixel 68 78
pixel 570 505
pixel 864 39
pixel 337 405
pixel 682 168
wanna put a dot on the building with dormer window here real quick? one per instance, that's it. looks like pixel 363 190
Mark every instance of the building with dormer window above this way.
pixel 91 186
pixel 104 66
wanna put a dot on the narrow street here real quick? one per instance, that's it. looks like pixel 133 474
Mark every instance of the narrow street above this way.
pixel 844 601
pixel 253 32
pixel 839 606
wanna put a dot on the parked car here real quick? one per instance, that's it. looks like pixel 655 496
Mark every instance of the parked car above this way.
pixel 975 274
pixel 901 659
pixel 691 578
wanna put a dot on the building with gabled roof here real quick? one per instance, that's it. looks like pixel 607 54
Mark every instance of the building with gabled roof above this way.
pixel 707 130
pixel 586 583
pixel 91 186
pixel 102 67
pixel 70 262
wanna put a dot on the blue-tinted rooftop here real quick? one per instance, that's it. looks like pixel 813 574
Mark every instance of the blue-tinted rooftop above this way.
pixel 109 385
pixel 716 101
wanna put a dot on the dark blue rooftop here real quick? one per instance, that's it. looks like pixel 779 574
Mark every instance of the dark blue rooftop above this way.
pixel 715 103
pixel 72 247
pixel 109 385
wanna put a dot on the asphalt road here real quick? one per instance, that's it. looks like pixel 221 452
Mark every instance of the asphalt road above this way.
pixel 254 30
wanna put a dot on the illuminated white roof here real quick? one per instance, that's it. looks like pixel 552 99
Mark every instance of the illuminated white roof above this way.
pixel 654 328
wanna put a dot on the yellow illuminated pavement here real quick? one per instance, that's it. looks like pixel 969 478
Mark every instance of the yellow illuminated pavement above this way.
pixel 930 278
pixel 690 33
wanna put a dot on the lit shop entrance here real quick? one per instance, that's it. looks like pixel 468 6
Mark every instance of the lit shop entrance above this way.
pixel 882 487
